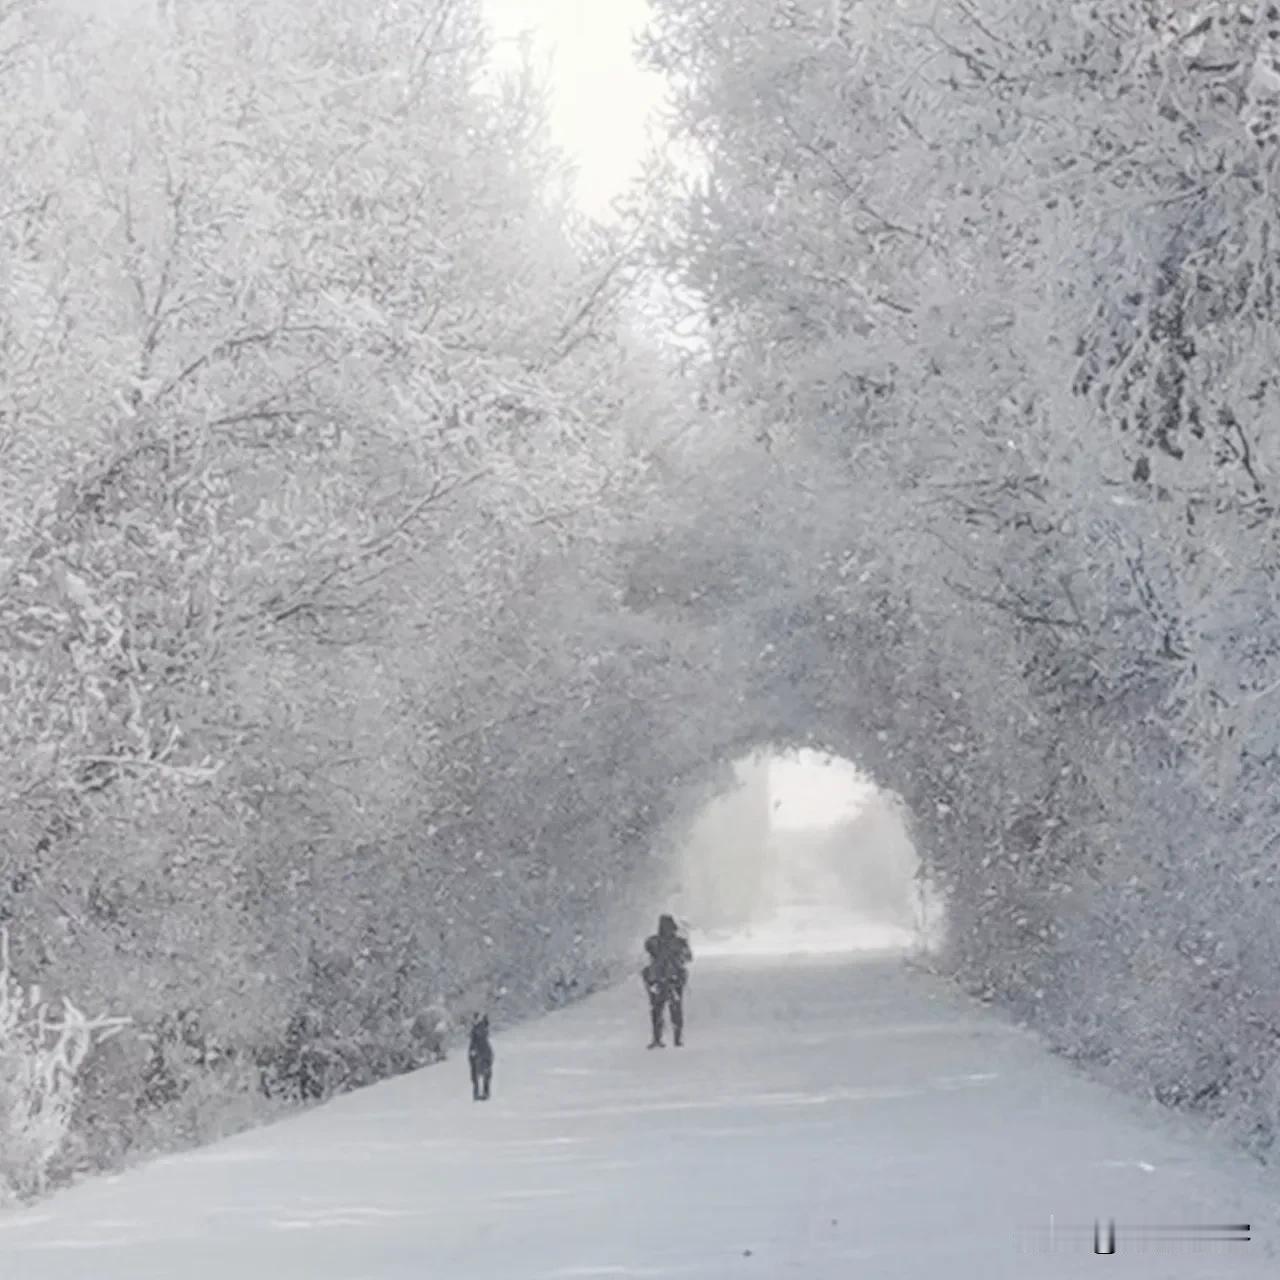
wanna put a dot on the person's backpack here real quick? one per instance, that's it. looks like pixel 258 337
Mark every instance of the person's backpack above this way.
pixel 668 964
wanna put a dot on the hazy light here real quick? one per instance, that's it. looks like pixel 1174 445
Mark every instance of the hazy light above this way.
pixel 804 856
pixel 601 96
pixel 811 790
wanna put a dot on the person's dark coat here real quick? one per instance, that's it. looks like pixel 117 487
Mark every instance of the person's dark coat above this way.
pixel 669 957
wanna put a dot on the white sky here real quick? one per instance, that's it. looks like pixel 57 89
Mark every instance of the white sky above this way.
pixel 810 790
pixel 602 97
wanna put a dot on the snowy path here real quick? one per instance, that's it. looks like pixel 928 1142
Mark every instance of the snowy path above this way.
pixel 835 1119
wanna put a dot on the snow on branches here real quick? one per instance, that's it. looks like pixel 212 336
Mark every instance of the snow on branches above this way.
pixel 41 1053
pixel 996 279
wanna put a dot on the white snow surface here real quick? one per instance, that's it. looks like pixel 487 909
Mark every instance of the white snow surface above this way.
pixel 828 1117
pixel 807 929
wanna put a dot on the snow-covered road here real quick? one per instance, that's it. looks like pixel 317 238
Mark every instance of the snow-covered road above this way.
pixel 828 1118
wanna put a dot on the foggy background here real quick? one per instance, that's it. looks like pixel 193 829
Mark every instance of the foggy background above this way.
pixel 803 855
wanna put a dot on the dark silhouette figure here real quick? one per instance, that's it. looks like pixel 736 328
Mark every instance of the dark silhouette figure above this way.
pixel 664 977
pixel 480 1058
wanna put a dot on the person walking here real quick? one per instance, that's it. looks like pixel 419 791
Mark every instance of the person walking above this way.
pixel 664 978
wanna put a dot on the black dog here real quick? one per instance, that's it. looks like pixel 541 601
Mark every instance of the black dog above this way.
pixel 480 1057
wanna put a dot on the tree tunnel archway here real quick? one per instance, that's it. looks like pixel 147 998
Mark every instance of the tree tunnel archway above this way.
pixel 761 670
pixel 796 852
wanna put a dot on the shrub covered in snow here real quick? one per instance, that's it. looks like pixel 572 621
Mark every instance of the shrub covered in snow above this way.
pixel 41 1054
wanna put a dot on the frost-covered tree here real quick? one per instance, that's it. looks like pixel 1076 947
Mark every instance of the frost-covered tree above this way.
pixel 992 278
pixel 322 416
pixel 41 1056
